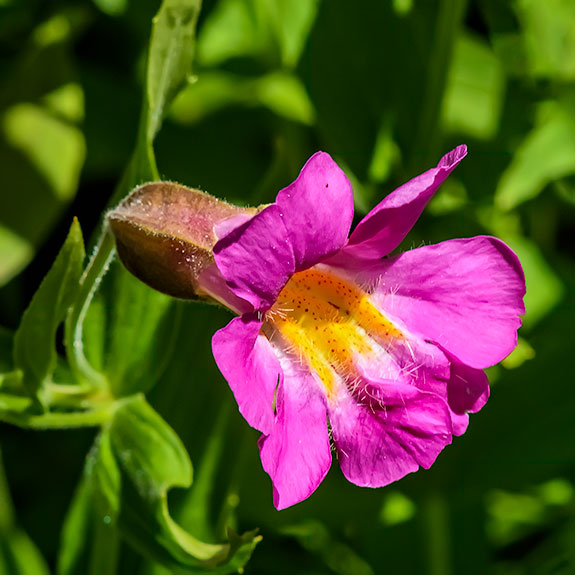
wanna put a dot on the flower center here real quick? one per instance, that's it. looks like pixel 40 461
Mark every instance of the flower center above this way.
pixel 329 322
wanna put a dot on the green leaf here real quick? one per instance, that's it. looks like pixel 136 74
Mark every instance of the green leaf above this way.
pixel 170 60
pixel 194 511
pixel 141 341
pixel 19 555
pixel 291 21
pixel 281 92
pixel 15 253
pixel 57 151
pixel 546 154
pixel 137 460
pixel 234 29
pixel 474 94
pixel 90 539
pixel 285 95
pixel 76 534
pixel 34 341
pixel 549 37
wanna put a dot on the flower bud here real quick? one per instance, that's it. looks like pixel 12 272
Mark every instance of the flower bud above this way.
pixel 165 235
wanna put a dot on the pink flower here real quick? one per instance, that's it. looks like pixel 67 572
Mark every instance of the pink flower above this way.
pixel 338 342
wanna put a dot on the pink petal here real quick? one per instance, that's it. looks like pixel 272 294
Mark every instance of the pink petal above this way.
pixel 383 229
pixel 213 284
pixel 296 453
pixel 250 366
pixel 467 392
pixel 459 423
pixel 256 258
pixel 465 295
pixel 380 443
pixel 224 227
pixel 317 209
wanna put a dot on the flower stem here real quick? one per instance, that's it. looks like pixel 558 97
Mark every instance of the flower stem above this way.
pixel 89 282
pixel 92 418
pixel 436 529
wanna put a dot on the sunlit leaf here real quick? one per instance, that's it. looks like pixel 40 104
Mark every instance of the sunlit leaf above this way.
pixel 34 342
pixel 386 153
pixel 280 92
pixel 451 197
pixel 15 253
pixel 286 96
pixel 235 28
pixel 549 37
pixel 55 149
pixel 475 90
pixel 112 7
pixel 522 353
pixel 291 21
pixel 19 555
pixel 546 154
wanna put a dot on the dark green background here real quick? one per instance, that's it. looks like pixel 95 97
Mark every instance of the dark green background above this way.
pixel 386 88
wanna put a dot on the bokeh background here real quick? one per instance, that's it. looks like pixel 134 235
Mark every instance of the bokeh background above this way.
pixel 386 87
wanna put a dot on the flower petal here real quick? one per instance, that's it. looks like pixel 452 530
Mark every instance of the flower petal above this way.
pixel 377 446
pixel 250 366
pixel 465 295
pixel 296 454
pixel 467 392
pixel 211 283
pixel 224 227
pixel 317 210
pixel 383 229
pixel 256 258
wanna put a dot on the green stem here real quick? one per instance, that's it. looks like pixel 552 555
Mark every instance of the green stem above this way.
pixel 436 530
pixel 92 418
pixel 89 283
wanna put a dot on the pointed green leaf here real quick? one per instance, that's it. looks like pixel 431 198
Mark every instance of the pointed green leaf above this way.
pixel 34 342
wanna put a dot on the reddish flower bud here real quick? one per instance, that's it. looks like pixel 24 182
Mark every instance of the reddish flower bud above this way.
pixel 165 235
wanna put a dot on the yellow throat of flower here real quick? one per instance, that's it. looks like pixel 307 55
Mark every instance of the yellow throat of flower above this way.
pixel 327 322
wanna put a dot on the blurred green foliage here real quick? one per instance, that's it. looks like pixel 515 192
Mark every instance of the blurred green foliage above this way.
pixel 86 113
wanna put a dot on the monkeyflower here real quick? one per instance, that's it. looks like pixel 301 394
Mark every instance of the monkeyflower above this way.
pixel 338 343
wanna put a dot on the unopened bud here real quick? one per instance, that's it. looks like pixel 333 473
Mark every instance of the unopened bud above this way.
pixel 165 235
